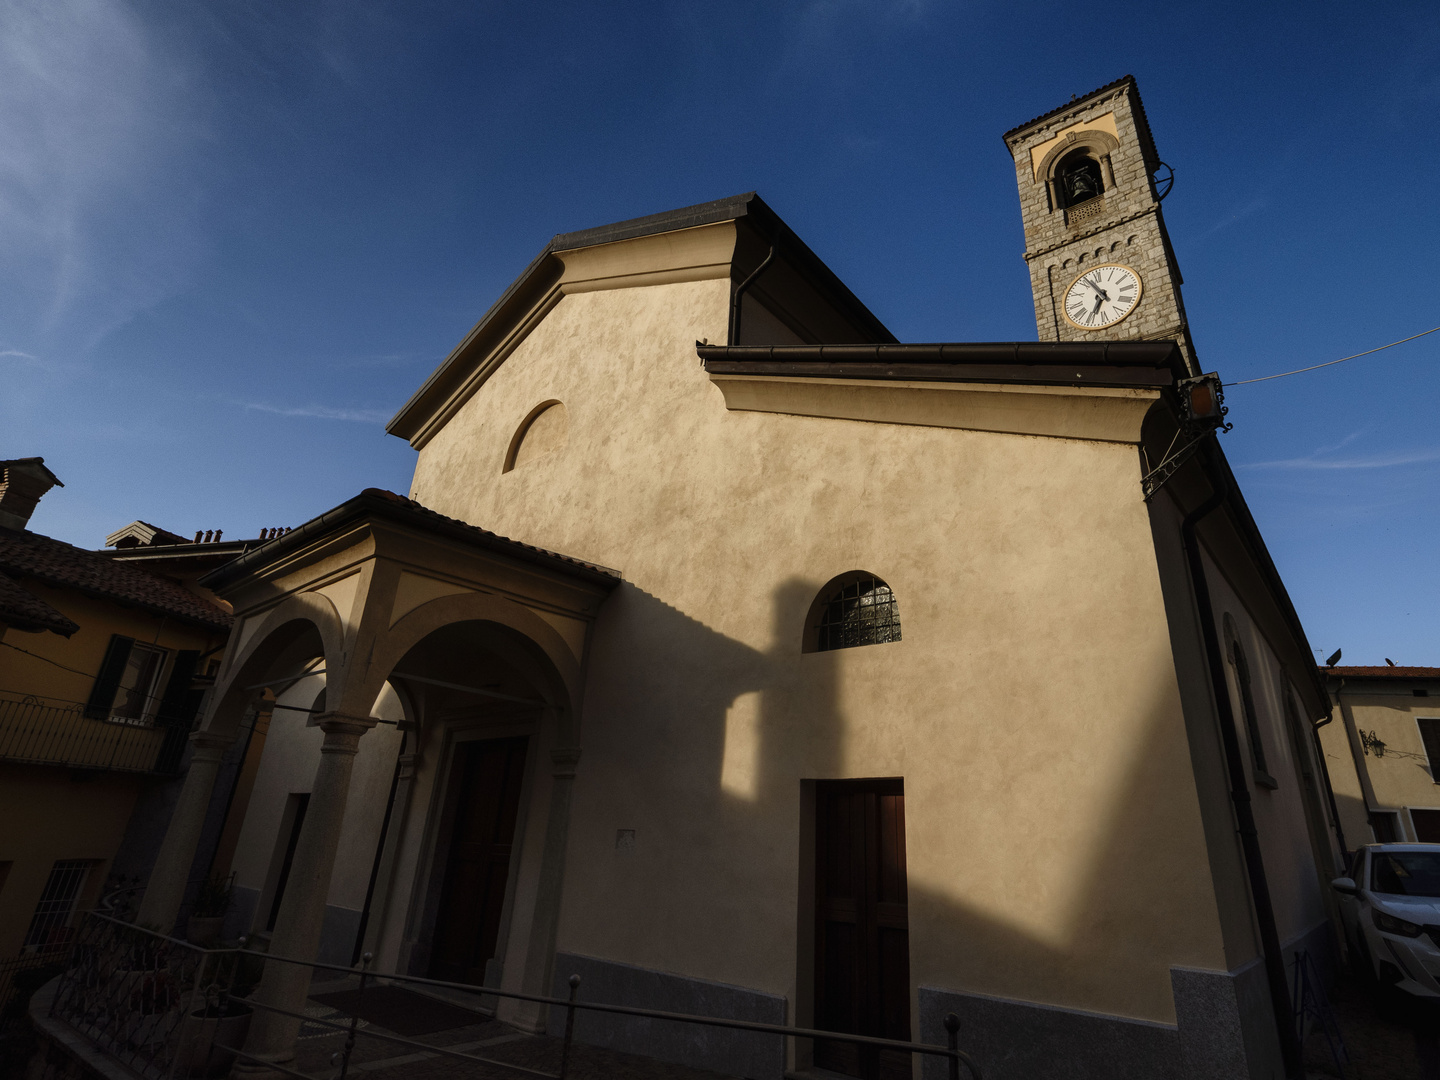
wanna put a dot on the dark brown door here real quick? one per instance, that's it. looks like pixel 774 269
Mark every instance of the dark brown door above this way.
pixel 488 775
pixel 862 947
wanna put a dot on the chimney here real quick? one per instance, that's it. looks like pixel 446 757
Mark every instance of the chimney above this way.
pixel 23 481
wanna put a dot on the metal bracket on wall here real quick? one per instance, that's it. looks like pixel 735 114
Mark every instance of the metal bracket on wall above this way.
pixel 1156 478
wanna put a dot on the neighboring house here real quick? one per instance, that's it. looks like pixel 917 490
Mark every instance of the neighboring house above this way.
pixel 878 681
pixel 1384 755
pixel 98 661
pixel 169 555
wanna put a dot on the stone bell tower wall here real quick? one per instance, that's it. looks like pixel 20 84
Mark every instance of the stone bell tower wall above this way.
pixel 1123 224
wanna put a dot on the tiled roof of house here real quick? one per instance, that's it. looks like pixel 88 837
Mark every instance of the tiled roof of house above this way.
pixel 25 611
pixel 54 562
pixel 1383 672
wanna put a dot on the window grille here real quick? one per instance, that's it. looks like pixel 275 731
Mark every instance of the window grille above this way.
pixel 861 612
pixel 51 922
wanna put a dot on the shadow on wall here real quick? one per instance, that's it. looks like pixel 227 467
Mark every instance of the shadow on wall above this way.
pixel 713 750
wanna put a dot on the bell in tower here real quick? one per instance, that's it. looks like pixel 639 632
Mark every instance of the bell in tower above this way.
pixel 1079 178
pixel 1101 265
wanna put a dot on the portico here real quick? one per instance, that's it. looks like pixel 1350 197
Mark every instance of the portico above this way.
pixel 463 637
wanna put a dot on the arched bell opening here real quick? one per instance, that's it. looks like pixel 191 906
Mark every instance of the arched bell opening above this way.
pixel 489 710
pixel 1078 178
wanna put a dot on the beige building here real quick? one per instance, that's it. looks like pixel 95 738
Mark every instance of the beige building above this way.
pixel 875 682
pixel 98 666
pixel 1384 753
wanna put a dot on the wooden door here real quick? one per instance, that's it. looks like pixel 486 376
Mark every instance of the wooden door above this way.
pixel 488 775
pixel 862 947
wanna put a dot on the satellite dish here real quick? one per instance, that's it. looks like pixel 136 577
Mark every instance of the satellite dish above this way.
pixel 1333 659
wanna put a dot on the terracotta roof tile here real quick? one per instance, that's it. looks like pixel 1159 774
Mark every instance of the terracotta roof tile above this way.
pixel 30 555
pixel 1383 672
pixel 25 611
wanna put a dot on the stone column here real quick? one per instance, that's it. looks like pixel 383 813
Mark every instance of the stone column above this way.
pixel 545 923
pixel 166 887
pixel 302 910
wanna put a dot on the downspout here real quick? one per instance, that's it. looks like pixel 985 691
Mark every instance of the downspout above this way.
pixel 1239 785
pixel 1357 751
pixel 734 338
pixel 1329 788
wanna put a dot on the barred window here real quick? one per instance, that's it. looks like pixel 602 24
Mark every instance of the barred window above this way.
pixel 861 611
pixel 51 923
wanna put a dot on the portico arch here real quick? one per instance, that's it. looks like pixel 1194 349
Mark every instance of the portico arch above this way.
pixel 300 629
pixel 556 665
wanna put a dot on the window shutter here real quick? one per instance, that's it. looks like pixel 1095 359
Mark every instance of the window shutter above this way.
pixel 176 699
pixel 177 711
pixel 112 670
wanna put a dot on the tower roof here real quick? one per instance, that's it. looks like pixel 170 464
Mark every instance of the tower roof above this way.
pixel 1125 82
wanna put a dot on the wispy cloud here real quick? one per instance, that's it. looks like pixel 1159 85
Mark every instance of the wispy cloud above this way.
pixel 18 355
pixel 321 412
pixel 91 117
pixel 1254 206
pixel 1381 461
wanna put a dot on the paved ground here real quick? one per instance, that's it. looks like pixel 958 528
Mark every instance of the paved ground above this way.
pixel 1389 1036
pixel 377 1058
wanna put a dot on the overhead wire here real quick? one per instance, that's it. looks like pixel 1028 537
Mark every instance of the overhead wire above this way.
pixel 1329 363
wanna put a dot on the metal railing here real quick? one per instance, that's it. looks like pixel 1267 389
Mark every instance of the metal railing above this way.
pixel 158 1005
pixel 34 733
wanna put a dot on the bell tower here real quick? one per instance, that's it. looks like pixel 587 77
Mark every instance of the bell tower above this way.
pixel 1101 266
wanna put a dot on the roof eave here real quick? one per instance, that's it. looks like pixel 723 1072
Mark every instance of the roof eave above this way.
pixel 1135 364
pixel 375 503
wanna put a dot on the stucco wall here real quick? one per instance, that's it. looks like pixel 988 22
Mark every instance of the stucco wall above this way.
pixel 1404 776
pixel 291 756
pixel 1055 850
pixel 1290 858
pixel 51 815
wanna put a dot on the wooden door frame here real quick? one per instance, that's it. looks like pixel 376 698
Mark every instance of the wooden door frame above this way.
pixel 802 1052
pixel 871 987
pixel 430 869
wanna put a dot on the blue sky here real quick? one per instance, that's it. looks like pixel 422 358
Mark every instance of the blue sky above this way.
pixel 237 236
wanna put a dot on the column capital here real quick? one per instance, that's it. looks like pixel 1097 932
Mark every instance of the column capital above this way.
pixel 342 731
pixel 564 759
pixel 338 721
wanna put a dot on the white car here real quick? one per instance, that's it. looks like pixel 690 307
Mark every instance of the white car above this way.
pixel 1390 905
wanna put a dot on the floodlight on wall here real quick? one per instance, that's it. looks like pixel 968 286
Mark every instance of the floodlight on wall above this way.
pixel 1202 403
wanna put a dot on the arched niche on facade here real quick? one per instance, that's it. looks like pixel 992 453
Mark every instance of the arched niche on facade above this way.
pixel 1079 148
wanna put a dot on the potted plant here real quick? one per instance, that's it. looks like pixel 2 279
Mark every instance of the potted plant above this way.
pixel 207 918
pixel 212 1033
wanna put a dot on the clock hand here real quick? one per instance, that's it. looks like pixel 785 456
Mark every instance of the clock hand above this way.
pixel 1098 301
pixel 1097 288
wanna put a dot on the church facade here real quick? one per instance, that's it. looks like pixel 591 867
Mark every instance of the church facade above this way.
pixel 745 661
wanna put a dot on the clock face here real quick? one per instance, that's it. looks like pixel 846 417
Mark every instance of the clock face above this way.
pixel 1102 296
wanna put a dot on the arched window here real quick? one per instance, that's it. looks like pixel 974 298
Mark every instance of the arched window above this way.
pixel 854 609
pixel 1249 714
pixel 1078 179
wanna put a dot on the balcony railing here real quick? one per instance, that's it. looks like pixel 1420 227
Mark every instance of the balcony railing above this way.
pixel 168 1009
pixel 34 733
